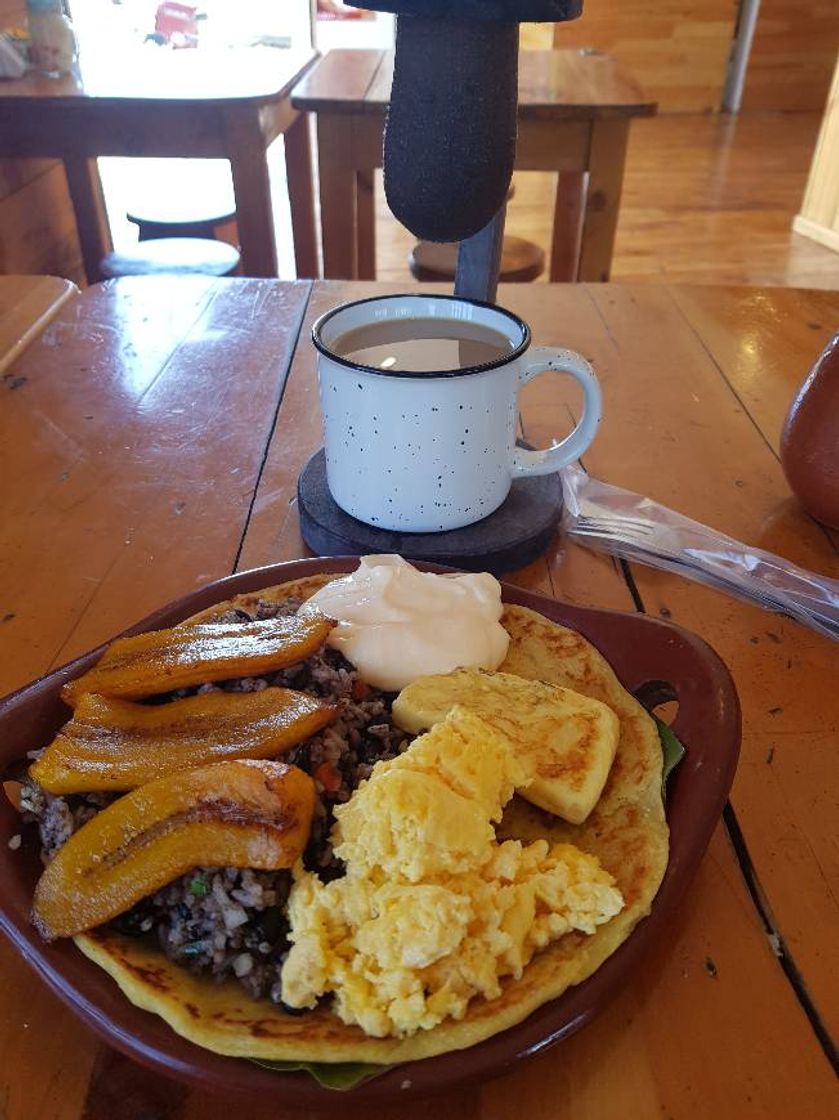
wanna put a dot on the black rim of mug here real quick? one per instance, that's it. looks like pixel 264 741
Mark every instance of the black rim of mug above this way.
pixel 467 371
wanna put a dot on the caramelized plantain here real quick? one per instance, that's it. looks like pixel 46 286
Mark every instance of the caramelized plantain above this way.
pixel 247 813
pixel 113 744
pixel 162 660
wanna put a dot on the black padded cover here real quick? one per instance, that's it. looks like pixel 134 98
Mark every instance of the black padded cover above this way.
pixel 450 140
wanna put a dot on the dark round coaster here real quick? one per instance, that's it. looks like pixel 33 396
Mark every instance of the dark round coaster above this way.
pixel 518 532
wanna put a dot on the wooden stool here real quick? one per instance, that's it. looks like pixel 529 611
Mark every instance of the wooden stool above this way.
pixel 181 255
pixel 521 261
pixel 203 227
pixel 182 198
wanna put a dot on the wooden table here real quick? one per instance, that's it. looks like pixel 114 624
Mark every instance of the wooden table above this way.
pixel 197 104
pixel 28 304
pixel 156 443
pixel 575 108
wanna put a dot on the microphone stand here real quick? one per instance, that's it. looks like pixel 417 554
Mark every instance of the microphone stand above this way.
pixel 479 261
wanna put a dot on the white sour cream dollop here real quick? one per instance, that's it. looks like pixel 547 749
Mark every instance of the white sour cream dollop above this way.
pixel 396 623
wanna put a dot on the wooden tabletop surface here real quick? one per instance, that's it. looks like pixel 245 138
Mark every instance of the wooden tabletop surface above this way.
pixel 568 83
pixel 256 73
pixel 155 443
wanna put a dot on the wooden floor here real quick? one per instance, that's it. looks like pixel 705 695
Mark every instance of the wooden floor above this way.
pixel 707 199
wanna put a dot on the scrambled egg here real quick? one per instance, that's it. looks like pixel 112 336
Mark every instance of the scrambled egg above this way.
pixel 430 810
pixel 433 911
pixel 565 741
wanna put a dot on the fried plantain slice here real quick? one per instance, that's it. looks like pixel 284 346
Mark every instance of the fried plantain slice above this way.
pixel 162 660
pixel 247 813
pixel 113 744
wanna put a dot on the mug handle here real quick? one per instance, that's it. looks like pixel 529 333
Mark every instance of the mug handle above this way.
pixel 541 360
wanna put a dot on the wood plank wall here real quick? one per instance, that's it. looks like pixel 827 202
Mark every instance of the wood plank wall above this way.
pixel 793 55
pixel 678 49
pixel 37 227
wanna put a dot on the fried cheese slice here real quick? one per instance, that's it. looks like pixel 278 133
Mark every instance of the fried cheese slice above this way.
pixel 565 741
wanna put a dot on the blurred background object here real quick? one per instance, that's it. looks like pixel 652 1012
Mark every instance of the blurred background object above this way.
pixel 334 9
pixel 52 41
pixel 708 197
pixel 175 25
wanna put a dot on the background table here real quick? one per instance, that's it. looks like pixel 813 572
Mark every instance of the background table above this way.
pixel 155 444
pixel 192 104
pixel 575 108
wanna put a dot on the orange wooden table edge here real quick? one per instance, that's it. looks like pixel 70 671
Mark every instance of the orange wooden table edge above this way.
pixel 28 304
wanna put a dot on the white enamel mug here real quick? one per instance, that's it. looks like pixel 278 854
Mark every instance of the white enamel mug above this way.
pixel 424 452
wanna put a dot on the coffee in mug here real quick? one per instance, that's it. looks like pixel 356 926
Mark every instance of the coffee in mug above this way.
pixel 419 396
pixel 422 345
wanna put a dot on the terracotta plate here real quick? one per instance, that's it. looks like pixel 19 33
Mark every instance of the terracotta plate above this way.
pixel 660 660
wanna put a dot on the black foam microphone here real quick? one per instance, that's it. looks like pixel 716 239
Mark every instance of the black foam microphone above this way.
pixel 450 140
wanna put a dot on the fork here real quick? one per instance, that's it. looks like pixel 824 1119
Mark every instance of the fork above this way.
pixel 655 535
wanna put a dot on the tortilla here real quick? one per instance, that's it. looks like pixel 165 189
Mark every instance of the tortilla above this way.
pixel 627 831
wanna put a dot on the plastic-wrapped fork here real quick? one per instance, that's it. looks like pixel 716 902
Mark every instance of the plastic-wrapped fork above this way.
pixel 634 539
pixel 633 527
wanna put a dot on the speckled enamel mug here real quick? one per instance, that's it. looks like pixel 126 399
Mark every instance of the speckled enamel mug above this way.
pixel 425 452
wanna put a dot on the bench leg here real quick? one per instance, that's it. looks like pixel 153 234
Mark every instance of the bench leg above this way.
pixel 567 227
pixel 366 224
pixel 252 188
pixel 338 215
pixel 605 182
pixel 91 217
pixel 298 160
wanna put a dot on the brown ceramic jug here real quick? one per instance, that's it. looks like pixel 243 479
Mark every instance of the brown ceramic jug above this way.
pixel 810 439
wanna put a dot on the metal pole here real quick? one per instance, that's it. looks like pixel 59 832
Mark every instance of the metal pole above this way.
pixel 738 61
pixel 479 260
